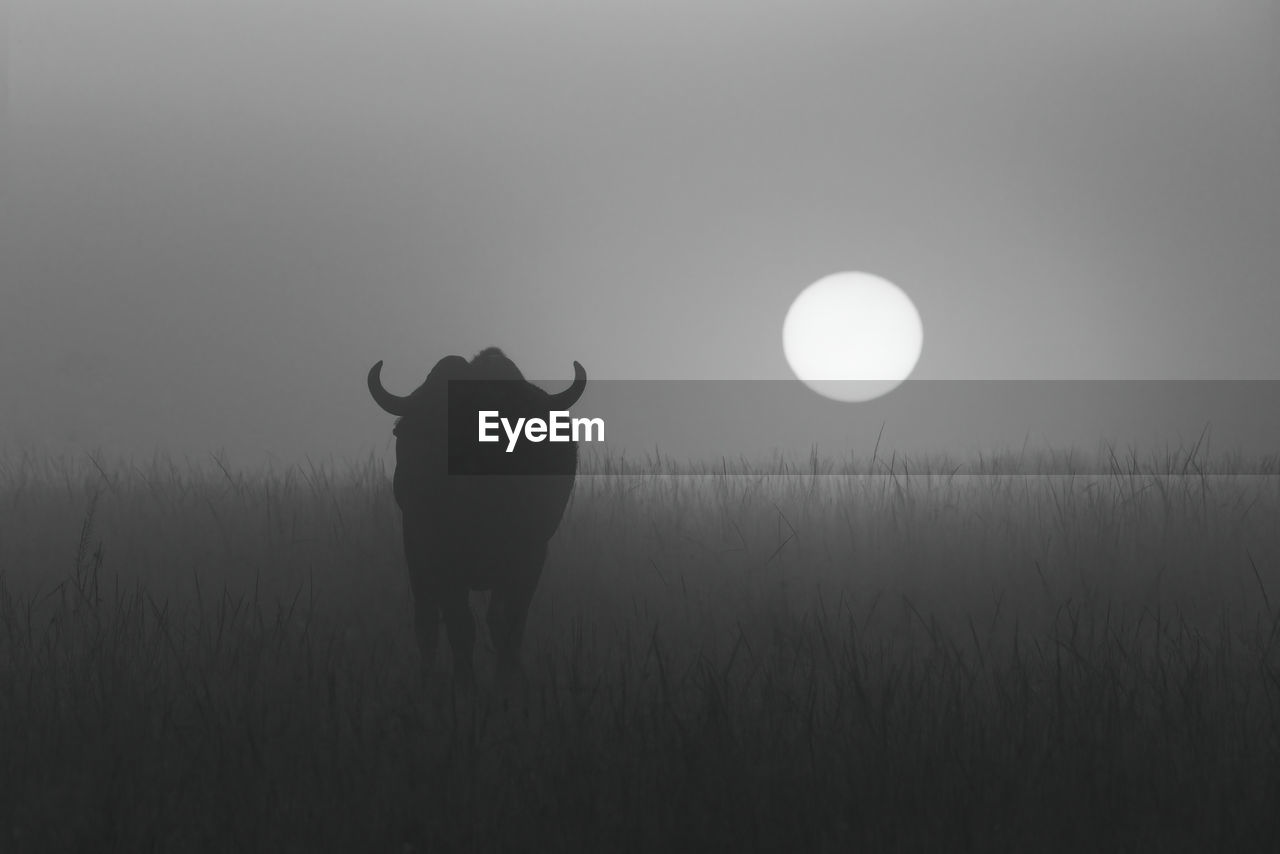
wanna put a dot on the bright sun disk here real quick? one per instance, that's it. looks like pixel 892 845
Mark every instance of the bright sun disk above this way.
pixel 852 336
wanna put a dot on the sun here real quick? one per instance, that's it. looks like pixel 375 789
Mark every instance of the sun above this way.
pixel 852 336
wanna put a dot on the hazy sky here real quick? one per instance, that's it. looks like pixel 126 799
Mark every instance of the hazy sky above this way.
pixel 217 215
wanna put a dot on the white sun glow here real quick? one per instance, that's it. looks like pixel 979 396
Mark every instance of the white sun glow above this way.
pixel 852 336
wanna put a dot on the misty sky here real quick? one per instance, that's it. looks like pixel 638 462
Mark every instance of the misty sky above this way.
pixel 216 215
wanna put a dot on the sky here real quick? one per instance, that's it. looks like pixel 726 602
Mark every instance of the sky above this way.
pixel 215 216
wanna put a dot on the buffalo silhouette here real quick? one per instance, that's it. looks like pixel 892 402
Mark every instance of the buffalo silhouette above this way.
pixel 476 516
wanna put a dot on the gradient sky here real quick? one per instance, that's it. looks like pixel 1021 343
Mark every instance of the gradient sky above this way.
pixel 216 215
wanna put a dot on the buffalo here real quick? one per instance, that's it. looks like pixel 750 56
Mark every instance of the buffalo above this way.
pixel 476 516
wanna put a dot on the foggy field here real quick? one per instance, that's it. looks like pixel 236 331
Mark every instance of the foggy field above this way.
pixel 194 657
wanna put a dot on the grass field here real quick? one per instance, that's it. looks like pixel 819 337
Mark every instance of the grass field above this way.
pixel 198 658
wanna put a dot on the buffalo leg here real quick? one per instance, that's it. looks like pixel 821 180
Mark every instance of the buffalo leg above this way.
pixel 509 611
pixel 462 632
pixel 426 595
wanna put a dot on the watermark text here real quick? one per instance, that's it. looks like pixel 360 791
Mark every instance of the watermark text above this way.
pixel 561 428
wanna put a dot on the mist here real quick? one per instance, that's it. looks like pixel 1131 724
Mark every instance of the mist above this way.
pixel 217 216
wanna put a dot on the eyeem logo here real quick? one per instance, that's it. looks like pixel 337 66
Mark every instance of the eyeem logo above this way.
pixel 562 428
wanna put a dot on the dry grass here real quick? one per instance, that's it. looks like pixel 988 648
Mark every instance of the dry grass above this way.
pixel 197 658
